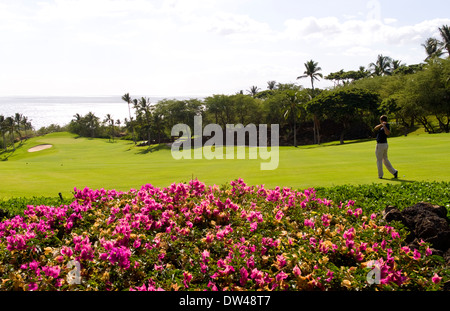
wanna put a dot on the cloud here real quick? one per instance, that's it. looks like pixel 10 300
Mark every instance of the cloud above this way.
pixel 331 32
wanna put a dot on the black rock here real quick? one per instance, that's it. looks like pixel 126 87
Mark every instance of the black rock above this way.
pixel 425 221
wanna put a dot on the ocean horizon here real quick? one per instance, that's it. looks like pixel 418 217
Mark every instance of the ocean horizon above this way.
pixel 46 110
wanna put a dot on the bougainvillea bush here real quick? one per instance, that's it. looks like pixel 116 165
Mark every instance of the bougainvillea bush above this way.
pixel 190 236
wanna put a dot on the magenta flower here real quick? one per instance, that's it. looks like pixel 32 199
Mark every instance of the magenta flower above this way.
pixel 309 223
pixel 436 278
pixel 66 251
pixel 281 276
pixel 281 261
pixel 416 255
pixel 279 215
pixel 32 286
pixel 406 249
pixel 244 276
pixel 187 279
pixel 296 271
pixel 326 220
pixel 329 275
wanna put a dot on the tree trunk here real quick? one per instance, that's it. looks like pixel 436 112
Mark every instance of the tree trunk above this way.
pixel 342 137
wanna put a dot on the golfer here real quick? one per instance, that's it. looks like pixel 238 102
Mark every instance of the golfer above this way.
pixel 383 131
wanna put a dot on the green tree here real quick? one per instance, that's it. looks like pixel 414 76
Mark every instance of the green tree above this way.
pixel 109 121
pixel 312 71
pixel 253 90
pixel 271 85
pixel 92 123
pixel 26 125
pixel 382 66
pixel 18 123
pixel 144 111
pixel 128 100
pixel 345 106
pixel 3 130
pixel 293 105
pixel 433 48
pixel 445 35
pixel 10 126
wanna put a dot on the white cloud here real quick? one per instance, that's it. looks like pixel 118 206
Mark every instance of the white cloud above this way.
pixel 331 32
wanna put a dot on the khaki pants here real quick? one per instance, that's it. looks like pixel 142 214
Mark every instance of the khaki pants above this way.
pixel 382 157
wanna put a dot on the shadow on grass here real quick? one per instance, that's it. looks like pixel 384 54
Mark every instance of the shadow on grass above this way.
pixel 154 148
pixel 335 143
pixel 400 180
pixel 5 154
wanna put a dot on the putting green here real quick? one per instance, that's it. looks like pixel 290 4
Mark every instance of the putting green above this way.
pixel 97 163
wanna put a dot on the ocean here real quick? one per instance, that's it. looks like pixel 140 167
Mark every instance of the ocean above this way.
pixel 46 110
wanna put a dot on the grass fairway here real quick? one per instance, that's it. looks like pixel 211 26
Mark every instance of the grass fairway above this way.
pixel 97 163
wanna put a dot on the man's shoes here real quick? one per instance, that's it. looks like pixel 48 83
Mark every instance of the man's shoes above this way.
pixel 396 174
pixel 380 177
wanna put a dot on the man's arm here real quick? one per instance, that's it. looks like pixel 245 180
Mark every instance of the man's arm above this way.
pixel 385 128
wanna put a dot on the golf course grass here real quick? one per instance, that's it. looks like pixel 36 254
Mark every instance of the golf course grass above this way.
pixel 97 163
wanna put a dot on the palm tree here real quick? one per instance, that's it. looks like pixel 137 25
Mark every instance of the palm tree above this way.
pixel 383 66
pixel 18 123
pixel 271 85
pixel 253 90
pixel 433 48
pixel 291 109
pixel 110 120
pixel 10 126
pixel 144 110
pixel 312 71
pixel 127 98
pixel 91 123
pixel 445 34
pixel 3 130
pixel 26 125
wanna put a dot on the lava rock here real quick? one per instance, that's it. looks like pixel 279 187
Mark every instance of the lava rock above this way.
pixel 425 221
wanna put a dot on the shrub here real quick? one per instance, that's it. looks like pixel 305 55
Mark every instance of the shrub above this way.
pixel 190 236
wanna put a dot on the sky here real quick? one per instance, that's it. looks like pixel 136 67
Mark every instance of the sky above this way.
pixel 199 48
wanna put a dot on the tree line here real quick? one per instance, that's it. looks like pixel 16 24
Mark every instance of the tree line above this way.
pixel 411 95
pixel 12 128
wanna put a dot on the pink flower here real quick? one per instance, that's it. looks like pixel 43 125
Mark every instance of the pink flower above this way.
pixel 297 271
pixel 428 251
pixel 66 251
pixel 326 220
pixel 212 286
pixel 251 262
pixel 329 275
pixel 244 276
pixel 309 223
pixel 405 249
pixel 205 256
pixel 279 215
pixel 436 278
pixel 187 279
pixel 416 255
pixel 281 276
pixel 253 226
pixel 349 234
pixel 281 261
pixel 32 286
pixel 137 243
